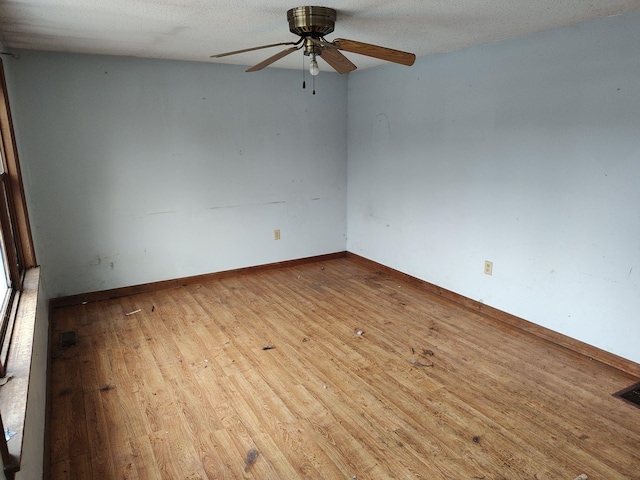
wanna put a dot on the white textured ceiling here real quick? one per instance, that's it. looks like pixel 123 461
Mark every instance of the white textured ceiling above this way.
pixel 195 29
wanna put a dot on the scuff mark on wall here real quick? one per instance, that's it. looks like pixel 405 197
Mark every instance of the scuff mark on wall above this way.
pixel 382 118
pixel 160 213
pixel 96 261
pixel 242 205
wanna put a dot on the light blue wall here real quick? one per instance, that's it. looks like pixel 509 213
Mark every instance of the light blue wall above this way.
pixel 524 152
pixel 144 170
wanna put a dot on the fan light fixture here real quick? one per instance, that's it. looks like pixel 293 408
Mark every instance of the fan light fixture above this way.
pixel 311 24
pixel 314 69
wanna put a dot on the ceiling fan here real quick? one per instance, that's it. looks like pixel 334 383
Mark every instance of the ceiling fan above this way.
pixel 312 24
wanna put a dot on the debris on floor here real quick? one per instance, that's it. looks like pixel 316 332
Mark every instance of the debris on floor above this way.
pixel 420 364
pixel 476 439
pixel 68 339
pixel 8 434
pixel 582 476
pixel 64 392
pixel 250 459
pixel 134 312
pixel 5 380
pixel 107 387
pixel 305 339
pixel 268 347
pixel 359 332
pixel 426 353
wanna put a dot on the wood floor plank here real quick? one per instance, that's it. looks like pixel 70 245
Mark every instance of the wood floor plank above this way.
pixel 492 380
pixel 74 468
pixel 178 384
pixel 144 459
pixel 101 456
pixel 332 374
pixel 489 369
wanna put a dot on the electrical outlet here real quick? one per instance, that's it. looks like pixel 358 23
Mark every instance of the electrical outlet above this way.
pixel 488 267
pixel 276 234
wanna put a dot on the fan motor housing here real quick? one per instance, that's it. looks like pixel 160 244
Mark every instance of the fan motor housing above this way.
pixel 311 21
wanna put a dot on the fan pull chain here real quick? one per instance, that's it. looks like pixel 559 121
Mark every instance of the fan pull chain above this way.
pixel 304 83
pixel 313 81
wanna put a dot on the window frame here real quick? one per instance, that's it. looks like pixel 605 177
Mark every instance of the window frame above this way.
pixel 17 242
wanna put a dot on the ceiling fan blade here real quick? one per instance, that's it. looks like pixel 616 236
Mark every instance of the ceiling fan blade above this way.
pixel 337 60
pixel 220 55
pixel 270 60
pixel 383 53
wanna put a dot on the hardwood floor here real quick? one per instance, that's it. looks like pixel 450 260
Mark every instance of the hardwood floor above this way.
pixel 184 388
